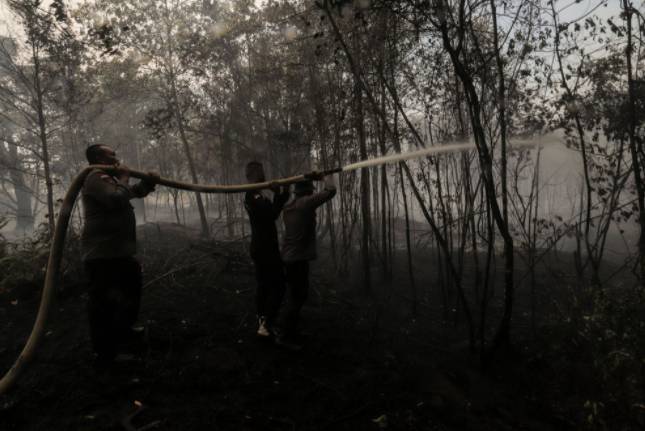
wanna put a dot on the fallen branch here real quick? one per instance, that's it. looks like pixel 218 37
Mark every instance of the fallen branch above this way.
pixel 126 422
pixel 172 271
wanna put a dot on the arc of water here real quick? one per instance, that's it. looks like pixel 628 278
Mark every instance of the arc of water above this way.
pixel 56 250
pixel 429 151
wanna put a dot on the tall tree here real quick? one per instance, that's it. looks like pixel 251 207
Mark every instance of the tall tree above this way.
pixel 31 80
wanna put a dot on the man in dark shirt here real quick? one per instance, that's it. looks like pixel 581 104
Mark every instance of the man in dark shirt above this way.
pixel 108 243
pixel 265 251
pixel 299 247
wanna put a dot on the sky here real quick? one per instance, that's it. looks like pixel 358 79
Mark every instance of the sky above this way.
pixel 570 9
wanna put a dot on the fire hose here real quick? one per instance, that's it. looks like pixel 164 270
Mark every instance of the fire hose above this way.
pixel 56 250
pixel 58 242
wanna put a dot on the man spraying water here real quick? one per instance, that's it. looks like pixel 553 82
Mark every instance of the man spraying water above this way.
pixel 56 253
pixel 298 248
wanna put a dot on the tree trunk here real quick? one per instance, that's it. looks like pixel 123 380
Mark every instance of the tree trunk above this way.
pixel 408 245
pixel 191 164
pixel 171 77
pixel 504 329
pixel 44 147
pixel 365 190
pixel 24 212
pixel 635 146
pixel 502 337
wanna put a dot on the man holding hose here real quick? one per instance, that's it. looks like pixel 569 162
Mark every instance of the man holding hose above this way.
pixel 108 242
pixel 265 250
pixel 298 248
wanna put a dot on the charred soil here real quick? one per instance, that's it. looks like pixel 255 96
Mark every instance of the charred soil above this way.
pixel 365 364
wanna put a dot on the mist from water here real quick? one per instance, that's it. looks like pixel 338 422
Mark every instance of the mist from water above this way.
pixel 438 149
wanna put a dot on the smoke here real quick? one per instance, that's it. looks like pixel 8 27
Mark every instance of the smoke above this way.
pixel 218 29
pixel 290 33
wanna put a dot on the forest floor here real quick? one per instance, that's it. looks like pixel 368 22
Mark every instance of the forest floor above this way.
pixel 365 366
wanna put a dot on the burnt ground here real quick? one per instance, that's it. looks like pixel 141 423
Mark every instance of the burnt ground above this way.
pixel 366 365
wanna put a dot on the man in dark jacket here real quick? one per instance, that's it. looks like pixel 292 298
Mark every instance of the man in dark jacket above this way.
pixel 299 247
pixel 108 243
pixel 265 251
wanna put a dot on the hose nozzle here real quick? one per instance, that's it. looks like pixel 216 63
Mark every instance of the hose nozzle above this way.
pixel 319 175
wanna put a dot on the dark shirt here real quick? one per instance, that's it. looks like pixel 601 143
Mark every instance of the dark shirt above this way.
pixel 300 225
pixel 109 230
pixel 262 214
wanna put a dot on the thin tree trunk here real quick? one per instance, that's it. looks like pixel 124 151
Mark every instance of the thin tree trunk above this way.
pixel 408 245
pixel 191 163
pixel 44 147
pixel 442 243
pixel 365 191
pixel 24 212
pixel 502 337
pixel 176 108
pixel 635 146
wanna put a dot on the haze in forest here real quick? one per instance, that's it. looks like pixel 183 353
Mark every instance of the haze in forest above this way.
pixel 527 263
pixel 559 173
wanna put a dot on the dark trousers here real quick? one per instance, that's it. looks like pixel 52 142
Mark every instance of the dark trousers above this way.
pixel 114 301
pixel 298 282
pixel 269 273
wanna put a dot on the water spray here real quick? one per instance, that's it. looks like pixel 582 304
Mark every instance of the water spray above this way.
pixel 58 241
pixel 426 152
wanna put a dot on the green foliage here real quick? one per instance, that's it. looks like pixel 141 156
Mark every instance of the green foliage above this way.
pixel 615 335
pixel 23 264
pixel 597 349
